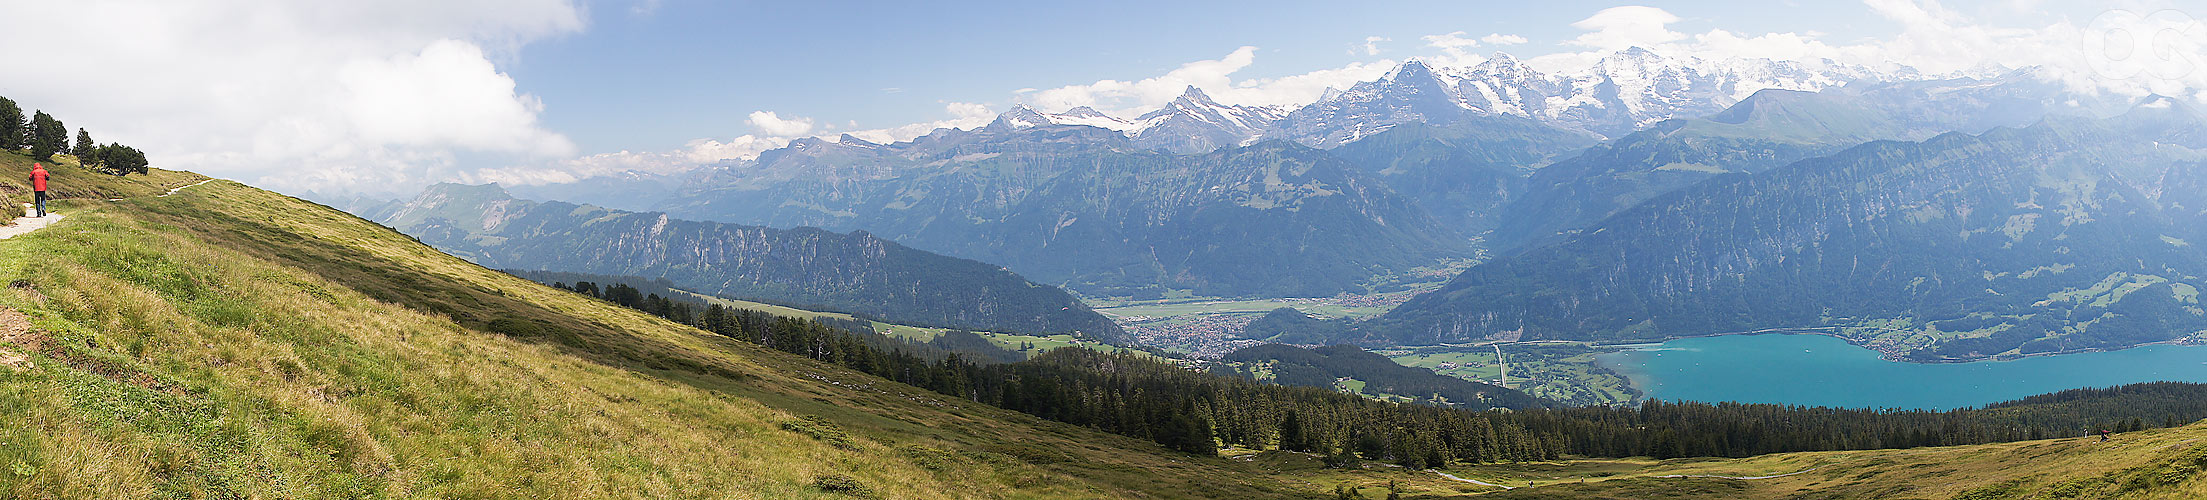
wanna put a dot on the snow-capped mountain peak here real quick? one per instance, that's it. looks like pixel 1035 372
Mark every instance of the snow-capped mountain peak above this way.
pixel 1019 117
pixel 1329 94
pixel 1024 117
pixel 1194 123
pixel 852 140
pixel 1620 92
pixel 1193 96
pixel 1411 69
pixel 1190 123
pixel 1083 112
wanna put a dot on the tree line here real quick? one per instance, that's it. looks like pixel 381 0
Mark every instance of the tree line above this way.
pixel 1151 398
pixel 42 136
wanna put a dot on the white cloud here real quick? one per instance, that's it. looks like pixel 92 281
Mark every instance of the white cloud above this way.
pixel 1299 89
pixel 963 115
pixel 2124 52
pixel 967 110
pixel 1121 96
pixel 291 95
pixel 1450 41
pixel 1371 45
pixel 1619 27
pixel 1501 39
pixel 708 151
pixel 1215 77
pixel 770 124
pixel 696 152
pixel 1455 49
pixel 446 95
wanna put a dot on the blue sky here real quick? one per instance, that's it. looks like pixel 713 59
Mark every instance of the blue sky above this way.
pixel 383 97
pixel 706 65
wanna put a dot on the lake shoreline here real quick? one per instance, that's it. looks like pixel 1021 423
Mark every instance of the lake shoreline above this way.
pixel 1802 369
pixel 1893 356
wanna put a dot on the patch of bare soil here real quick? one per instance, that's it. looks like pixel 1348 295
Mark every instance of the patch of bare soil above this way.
pixel 15 330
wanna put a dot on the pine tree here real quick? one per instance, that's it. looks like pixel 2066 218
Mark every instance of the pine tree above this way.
pixel 1291 433
pixel 118 159
pixel 83 149
pixel 48 136
pixel 12 130
pixel 1342 458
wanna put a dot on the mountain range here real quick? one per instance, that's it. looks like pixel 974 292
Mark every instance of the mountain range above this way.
pixel 1086 208
pixel 1197 195
pixel 2072 234
pixel 1770 128
pixel 1430 164
pixel 853 272
pixel 1191 123
pixel 1621 92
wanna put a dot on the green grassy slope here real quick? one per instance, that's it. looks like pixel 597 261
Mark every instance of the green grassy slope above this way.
pixel 66 179
pixel 2152 464
pixel 231 342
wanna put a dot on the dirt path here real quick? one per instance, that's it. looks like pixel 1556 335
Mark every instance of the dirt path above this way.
pixel 181 188
pixel 26 224
pixel 1473 481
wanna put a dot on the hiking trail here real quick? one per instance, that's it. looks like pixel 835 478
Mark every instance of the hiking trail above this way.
pixel 26 224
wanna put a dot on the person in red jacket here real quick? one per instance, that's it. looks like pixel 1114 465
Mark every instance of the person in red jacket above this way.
pixel 38 187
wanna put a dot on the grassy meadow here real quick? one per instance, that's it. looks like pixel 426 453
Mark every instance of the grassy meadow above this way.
pixel 231 342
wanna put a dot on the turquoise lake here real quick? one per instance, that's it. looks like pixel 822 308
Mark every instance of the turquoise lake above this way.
pixel 1823 371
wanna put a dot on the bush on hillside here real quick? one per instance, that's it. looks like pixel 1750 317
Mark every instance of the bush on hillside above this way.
pixel 14 208
pixel 838 483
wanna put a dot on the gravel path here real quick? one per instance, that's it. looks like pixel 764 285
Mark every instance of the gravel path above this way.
pixel 27 223
pixel 1473 481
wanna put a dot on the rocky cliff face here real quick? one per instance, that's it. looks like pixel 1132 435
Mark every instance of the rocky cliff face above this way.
pixel 853 272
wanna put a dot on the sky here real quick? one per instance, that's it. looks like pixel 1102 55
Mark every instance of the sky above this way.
pixel 382 98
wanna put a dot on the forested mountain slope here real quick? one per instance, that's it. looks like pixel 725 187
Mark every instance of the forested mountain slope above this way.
pixel 2072 234
pixel 853 272
pixel 1465 172
pixel 1769 129
pixel 1084 208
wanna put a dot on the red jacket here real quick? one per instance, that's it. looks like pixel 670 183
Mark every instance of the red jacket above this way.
pixel 38 178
